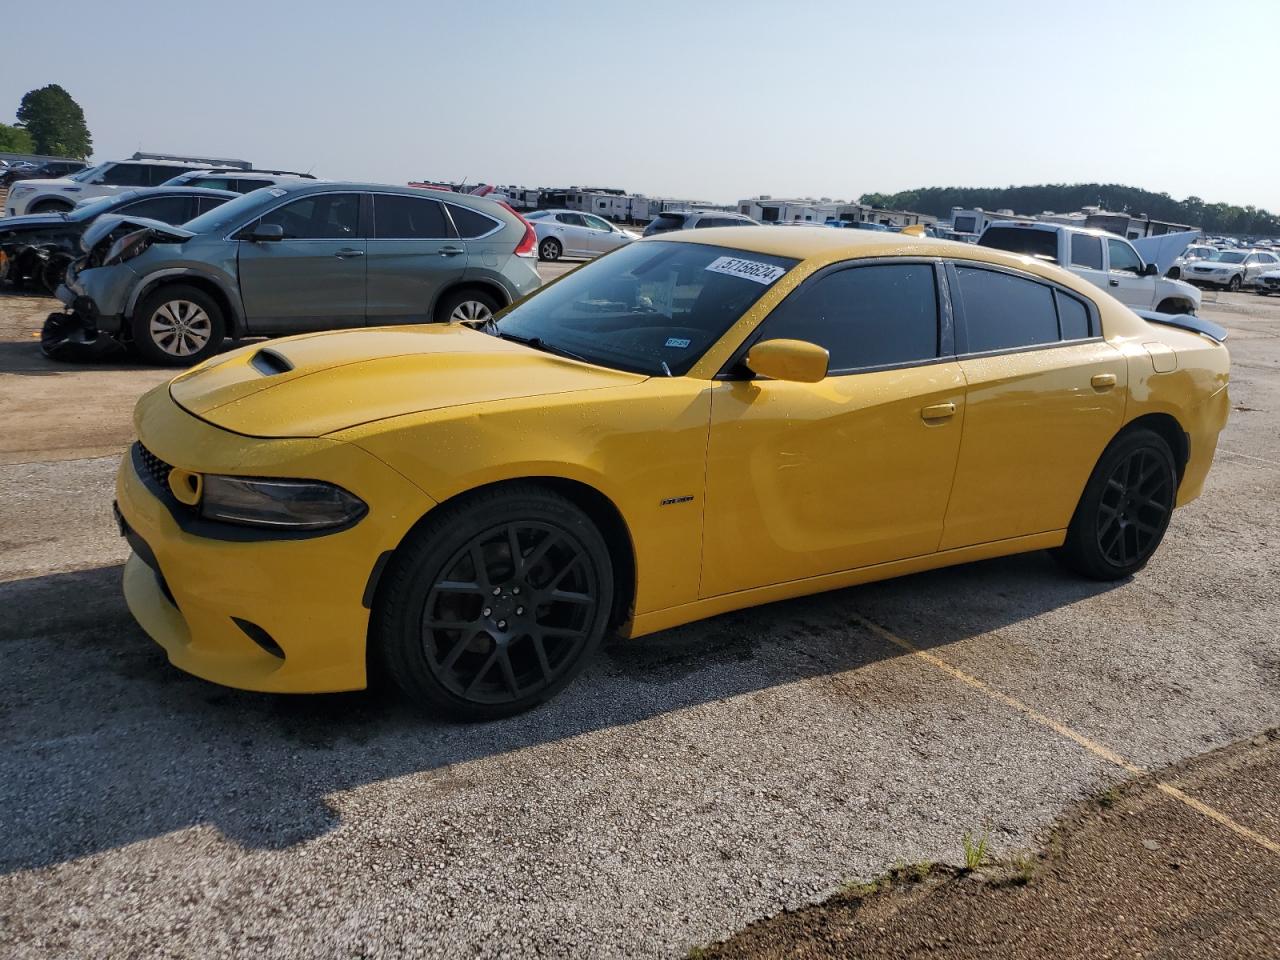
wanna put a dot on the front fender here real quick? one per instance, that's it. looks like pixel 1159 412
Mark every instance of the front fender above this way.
pixel 1177 289
pixel 151 279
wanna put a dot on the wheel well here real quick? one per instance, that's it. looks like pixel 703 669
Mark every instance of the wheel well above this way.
pixel 1169 429
pixel 484 286
pixel 1169 304
pixel 219 296
pixel 602 512
pixel 50 203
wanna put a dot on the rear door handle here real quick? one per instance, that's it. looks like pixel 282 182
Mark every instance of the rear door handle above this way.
pixel 450 251
pixel 344 254
pixel 1103 381
pixel 939 411
pixel 1113 283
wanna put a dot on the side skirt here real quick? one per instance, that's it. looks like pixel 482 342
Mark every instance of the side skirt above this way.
pixel 656 620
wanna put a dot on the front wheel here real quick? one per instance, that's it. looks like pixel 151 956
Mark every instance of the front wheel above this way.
pixel 495 604
pixel 1234 284
pixel 472 307
pixel 1125 509
pixel 51 206
pixel 177 326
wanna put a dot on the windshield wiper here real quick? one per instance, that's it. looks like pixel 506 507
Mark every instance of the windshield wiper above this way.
pixel 539 344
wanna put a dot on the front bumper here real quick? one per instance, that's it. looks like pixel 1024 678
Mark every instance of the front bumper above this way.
pixel 204 594
pixel 1209 279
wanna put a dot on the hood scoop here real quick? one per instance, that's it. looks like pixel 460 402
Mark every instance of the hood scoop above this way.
pixel 269 362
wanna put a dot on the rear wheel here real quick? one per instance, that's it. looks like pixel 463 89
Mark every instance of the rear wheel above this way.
pixel 177 326
pixel 495 604
pixel 472 307
pixel 1125 509
pixel 550 249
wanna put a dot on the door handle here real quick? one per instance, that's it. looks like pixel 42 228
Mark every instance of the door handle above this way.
pixel 344 254
pixel 450 251
pixel 1113 283
pixel 939 411
pixel 1103 381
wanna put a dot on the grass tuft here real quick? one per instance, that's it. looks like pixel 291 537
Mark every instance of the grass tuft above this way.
pixel 976 851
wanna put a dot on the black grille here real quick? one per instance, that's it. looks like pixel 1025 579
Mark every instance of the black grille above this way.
pixel 156 468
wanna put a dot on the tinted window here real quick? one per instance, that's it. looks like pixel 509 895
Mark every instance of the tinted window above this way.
pixel 164 209
pixel 205 204
pixel 213 183
pixel 1086 251
pixel 572 219
pixel 864 316
pixel 248 186
pixel 330 216
pixel 596 223
pixel 156 175
pixel 469 223
pixel 1029 242
pixel 408 218
pixel 1073 317
pixel 1123 257
pixel 127 175
pixel 1002 312
pixel 647 304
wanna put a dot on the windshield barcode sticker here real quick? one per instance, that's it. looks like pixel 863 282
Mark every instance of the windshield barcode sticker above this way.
pixel 764 273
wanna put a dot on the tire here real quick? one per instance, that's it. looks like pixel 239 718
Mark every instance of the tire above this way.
pixel 177 326
pixel 550 249
pixel 54 271
pixel 63 338
pixel 1234 284
pixel 1175 305
pixel 461 650
pixel 50 206
pixel 472 307
pixel 1124 510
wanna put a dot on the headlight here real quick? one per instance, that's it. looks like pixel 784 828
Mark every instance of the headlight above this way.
pixel 128 247
pixel 286 504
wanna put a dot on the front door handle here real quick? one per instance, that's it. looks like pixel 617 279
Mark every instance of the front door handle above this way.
pixel 344 254
pixel 939 411
pixel 1113 283
pixel 1103 381
pixel 450 251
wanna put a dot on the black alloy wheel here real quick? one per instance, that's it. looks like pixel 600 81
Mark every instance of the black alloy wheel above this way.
pixel 496 605
pixel 1134 508
pixel 1125 508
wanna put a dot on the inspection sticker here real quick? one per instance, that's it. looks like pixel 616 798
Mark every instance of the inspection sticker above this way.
pixel 764 273
pixel 679 342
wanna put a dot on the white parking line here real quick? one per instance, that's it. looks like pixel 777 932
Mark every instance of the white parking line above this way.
pixel 1232 453
pixel 1092 746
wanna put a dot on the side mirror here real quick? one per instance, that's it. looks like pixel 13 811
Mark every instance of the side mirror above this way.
pixel 266 233
pixel 1150 270
pixel 794 360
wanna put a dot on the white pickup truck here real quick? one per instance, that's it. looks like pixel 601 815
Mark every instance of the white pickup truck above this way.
pixel 1102 258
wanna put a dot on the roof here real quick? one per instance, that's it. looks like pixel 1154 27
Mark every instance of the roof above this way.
pixel 823 245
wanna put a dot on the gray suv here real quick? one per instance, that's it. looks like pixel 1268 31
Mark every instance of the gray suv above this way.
pixel 293 258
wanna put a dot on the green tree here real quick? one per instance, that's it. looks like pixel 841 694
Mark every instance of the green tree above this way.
pixel 15 140
pixel 55 122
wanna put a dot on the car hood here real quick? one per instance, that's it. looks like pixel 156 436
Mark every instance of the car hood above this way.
pixel 107 223
pixel 316 384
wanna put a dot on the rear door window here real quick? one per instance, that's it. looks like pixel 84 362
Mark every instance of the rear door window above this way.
pixel 1042 244
pixel 865 316
pixel 127 175
pixel 1004 312
pixel 1086 251
pixel 408 218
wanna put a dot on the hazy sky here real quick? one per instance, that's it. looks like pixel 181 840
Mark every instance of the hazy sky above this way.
pixel 711 100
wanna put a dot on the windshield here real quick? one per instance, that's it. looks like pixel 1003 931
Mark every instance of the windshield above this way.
pixel 88 173
pixel 91 208
pixel 1230 257
pixel 242 207
pixel 649 307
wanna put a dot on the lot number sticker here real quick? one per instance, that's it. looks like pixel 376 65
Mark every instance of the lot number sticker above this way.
pixel 764 273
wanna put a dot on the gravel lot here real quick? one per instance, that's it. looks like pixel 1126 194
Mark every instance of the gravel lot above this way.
pixel 687 784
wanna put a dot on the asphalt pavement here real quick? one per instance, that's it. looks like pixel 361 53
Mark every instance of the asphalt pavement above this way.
pixel 686 785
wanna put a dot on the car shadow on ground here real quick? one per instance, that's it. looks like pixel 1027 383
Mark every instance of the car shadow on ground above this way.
pixel 103 743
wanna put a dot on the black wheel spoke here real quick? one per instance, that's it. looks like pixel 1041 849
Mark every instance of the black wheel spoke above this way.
pixel 1135 502
pixel 458 649
pixel 508 672
pixel 565 596
pixel 480 674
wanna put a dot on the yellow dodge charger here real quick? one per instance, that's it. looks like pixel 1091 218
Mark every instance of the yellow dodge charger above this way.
pixel 688 425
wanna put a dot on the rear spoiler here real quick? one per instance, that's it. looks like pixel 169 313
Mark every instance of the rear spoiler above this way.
pixel 1186 321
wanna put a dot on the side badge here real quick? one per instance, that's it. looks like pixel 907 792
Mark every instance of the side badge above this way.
pixel 670 500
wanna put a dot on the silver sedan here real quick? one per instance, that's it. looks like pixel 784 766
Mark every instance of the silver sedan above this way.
pixel 568 233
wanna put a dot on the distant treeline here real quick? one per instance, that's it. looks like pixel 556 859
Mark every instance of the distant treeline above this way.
pixel 1066 197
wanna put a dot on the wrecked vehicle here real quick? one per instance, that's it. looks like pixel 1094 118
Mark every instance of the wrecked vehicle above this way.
pixel 35 250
